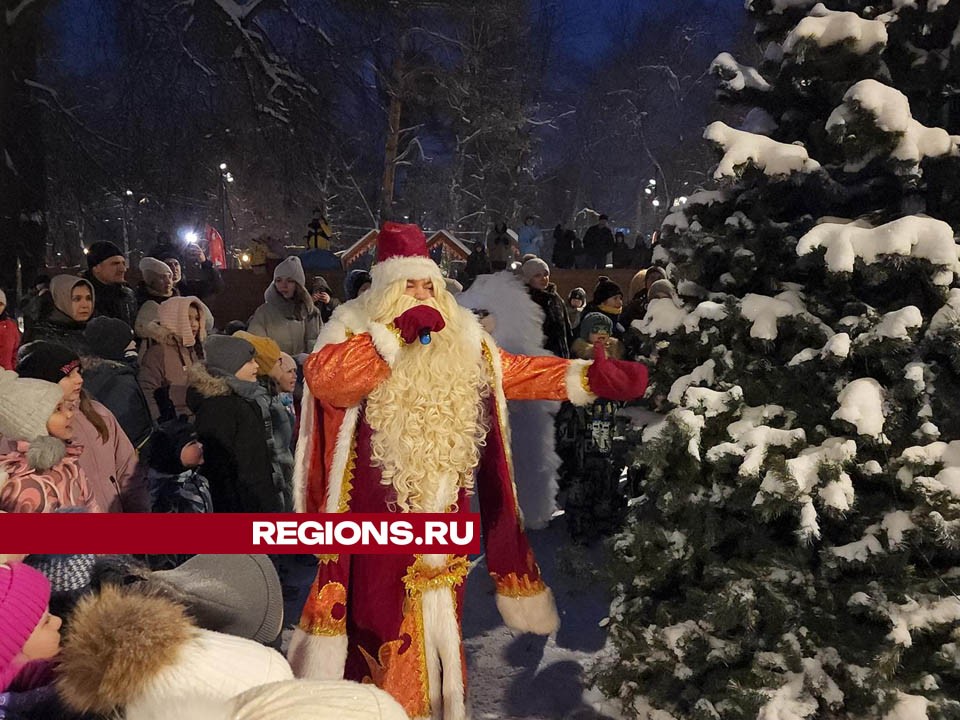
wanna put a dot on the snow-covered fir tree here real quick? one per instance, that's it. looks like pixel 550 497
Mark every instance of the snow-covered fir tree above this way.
pixel 796 553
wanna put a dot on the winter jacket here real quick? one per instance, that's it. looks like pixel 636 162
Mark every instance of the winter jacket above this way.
pixel 293 328
pixel 530 240
pixel 622 255
pixel 282 422
pixel 237 440
pixel 186 492
pixel 116 478
pixel 501 248
pixel 61 329
pixel 326 309
pixel 24 488
pixel 634 310
pixel 35 307
pixel 556 329
pixel 208 283
pixel 9 342
pixel 115 385
pixel 116 301
pixel 163 377
pixel 598 241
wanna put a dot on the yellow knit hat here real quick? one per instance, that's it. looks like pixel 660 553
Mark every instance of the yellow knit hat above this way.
pixel 268 352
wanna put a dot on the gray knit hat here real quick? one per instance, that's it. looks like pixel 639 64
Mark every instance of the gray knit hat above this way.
pixel 227 354
pixel 26 405
pixel 291 268
pixel 532 267
pixel 233 594
pixel 595 322
pixel 154 268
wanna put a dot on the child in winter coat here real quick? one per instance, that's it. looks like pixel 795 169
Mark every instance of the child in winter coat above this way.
pixel 9 337
pixel 176 485
pixel 590 474
pixel 575 302
pixel 39 472
pixel 108 458
pixel 164 365
pixel 288 315
pixel 110 376
pixel 268 371
pixel 234 424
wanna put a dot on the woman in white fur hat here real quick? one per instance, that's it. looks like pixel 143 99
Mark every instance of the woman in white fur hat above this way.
pixel 288 315
pixel 126 652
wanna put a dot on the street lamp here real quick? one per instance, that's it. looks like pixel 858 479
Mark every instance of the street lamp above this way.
pixel 225 215
pixel 653 182
pixel 656 202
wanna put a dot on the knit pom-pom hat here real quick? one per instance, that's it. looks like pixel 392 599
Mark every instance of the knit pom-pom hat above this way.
pixel 24 596
pixel 26 405
pixel 605 289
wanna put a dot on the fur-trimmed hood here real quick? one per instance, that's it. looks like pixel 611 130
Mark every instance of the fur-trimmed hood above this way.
pixel 93 363
pixel 125 650
pixel 206 384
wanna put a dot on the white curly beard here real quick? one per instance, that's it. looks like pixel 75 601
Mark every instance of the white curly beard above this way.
pixel 427 419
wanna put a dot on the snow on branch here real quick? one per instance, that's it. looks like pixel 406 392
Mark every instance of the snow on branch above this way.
pixel 780 6
pixel 825 28
pixel 911 236
pixel 764 312
pixel 280 75
pixel 772 157
pixel 890 110
pixel 861 405
pixel 13 14
pixel 736 77
pixel 916 614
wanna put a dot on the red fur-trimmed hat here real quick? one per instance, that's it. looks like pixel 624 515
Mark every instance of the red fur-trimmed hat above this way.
pixel 402 255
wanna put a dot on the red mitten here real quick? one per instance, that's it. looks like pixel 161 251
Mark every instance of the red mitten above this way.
pixel 417 319
pixel 615 379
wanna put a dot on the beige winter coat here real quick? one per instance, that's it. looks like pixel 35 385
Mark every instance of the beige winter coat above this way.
pixel 294 329
pixel 164 367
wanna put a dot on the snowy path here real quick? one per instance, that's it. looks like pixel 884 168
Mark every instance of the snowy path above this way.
pixel 514 677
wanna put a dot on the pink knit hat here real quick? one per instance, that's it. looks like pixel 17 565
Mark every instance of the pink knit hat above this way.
pixel 24 597
pixel 174 315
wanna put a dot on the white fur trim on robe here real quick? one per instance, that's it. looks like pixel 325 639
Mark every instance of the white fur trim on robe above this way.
pixel 530 613
pixel 317 657
pixel 574 380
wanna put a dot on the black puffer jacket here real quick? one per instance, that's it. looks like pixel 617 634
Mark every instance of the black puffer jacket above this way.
pixel 556 327
pixel 238 460
pixel 115 385
pixel 116 301
pixel 60 329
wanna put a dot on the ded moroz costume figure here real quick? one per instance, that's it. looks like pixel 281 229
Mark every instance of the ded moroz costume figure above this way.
pixel 392 425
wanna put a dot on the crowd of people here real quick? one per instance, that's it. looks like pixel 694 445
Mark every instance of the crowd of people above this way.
pixel 563 248
pixel 120 399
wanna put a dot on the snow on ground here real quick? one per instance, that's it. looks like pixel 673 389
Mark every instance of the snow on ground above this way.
pixel 527 677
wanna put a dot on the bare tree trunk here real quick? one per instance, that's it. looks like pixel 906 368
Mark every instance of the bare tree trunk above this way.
pixel 393 142
pixel 23 182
